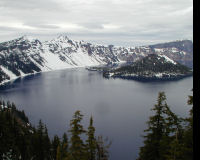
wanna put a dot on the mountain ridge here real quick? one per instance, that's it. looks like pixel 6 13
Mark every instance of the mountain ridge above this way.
pixel 25 55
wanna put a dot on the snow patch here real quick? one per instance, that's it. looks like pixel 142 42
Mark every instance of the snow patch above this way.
pixel 8 72
pixel 167 59
pixel 158 50
pixel 159 75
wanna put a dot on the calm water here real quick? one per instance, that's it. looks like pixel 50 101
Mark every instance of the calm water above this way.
pixel 120 107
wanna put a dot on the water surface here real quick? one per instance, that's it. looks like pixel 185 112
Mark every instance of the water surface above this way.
pixel 120 107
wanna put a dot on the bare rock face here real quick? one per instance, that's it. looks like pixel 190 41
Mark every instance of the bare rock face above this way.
pixel 25 56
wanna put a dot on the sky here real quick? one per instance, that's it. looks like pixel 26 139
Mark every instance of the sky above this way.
pixel 117 22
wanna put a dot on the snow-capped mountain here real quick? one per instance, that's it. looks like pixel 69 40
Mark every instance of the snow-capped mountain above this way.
pixel 26 55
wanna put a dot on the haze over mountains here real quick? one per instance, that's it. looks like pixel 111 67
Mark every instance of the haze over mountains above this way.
pixel 25 56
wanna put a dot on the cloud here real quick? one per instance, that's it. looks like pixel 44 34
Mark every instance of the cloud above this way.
pixel 42 26
pixel 115 21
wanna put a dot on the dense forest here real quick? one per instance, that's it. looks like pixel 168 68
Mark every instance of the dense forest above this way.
pixel 167 137
pixel 20 140
pixel 150 68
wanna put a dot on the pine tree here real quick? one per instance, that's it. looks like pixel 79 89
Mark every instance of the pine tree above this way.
pixel 102 148
pixel 173 138
pixel 152 145
pixel 47 144
pixel 188 133
pixel 163 133
pixel 55 143
pixel 77 150
pixel 38 143
pixel 64 146
pixel 22 141
pixel 166 137
pixel 58 153
pixel 42 143
pixel 91 141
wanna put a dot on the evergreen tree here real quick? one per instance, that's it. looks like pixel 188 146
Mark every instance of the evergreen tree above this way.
pixel 42 143
pixel 64 146
pixel 58 153
pixel 167 138
pixel 55 143
pixel 152 145
pixel 173 138
pixel 91 141
pixel 47 144
pixel 161 138
pixel 102 148
pixel 77 150
pixel 38 142
pixel 188 133
pixel 19 140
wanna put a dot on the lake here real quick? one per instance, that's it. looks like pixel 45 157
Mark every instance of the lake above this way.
pixel 120 108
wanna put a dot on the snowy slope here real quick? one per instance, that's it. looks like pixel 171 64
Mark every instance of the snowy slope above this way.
pixel 25 55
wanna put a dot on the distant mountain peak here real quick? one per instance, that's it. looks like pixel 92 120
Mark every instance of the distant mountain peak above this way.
pixel 27 55
pixel 27 38
pixel 63 37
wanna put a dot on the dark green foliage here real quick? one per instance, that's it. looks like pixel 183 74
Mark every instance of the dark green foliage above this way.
pixel 55 143
pixel 77 149
pixel 3 76
pixel 64 147
pixel 42 143
pixel 167 138
pixel 148 67
pixel 153 146
pixel 91 141
pixel 188 134
pixel 15 135
pixel 58 153
pixel 93 149
pixel 20 140
pixel 102 148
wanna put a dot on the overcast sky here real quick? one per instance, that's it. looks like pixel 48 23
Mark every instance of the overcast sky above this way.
pixel 118 22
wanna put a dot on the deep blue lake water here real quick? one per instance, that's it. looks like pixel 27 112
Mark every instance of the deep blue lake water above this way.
pixel 120 108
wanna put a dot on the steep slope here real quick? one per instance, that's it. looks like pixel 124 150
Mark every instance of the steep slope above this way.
pixel 152 67
pixel 25 56
pixel 71 52
pixel 180 51
pixel 20 57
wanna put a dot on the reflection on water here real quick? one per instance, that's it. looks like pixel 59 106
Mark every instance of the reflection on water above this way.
pixel 120 108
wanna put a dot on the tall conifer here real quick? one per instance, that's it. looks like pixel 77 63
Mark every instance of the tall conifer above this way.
pixel 77 150
pixel 188 134
pixel 64 146
pixel 158 134
pixel 91 141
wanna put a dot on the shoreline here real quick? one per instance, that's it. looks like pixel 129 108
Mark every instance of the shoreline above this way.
pixel 151 79
pixel 3 83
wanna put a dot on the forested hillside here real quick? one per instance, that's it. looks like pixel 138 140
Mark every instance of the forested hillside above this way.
pixel 20 140
pixel 151 67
